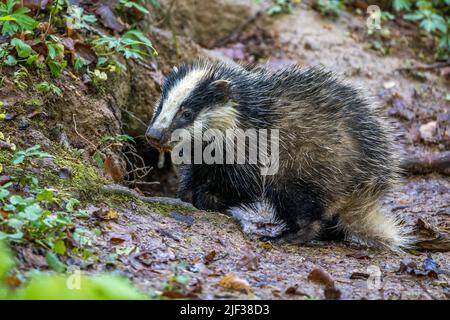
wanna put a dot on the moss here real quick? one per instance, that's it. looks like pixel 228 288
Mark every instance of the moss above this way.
pixel 5 156
pixel 84 179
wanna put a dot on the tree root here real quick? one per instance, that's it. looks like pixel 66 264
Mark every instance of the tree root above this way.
pixel 434 162
pixel 124 191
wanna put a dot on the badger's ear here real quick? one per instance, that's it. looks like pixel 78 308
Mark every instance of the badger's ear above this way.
pixel 222 87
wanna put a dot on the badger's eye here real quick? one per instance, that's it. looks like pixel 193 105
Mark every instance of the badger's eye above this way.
pixel 187 114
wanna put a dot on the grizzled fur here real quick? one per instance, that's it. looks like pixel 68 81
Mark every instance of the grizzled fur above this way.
pixel 336 160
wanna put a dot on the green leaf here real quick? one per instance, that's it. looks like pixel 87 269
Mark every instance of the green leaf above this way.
pixel 98 159
pixel 400 5
pixel 6 236
pixel 18 159
pixel 23 49
pixel 10 61
pixel 3 193
pixel 24 21
pixel 6 260
pixel 51 51
pixel 79 63
pixel 45 195
pixel 90 18
pixel 17 200
pixel 59 247
pixel 54 262
pixel 32 212
pixel 32 58
pixel 72 204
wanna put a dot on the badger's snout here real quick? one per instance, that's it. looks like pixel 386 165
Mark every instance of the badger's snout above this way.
pixel 154 136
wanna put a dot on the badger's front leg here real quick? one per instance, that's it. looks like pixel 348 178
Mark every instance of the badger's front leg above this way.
pixel 185 188
pixel 300 208
pixel 203 198
pixel 196 187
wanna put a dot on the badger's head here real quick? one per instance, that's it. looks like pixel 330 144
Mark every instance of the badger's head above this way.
pixel 199 93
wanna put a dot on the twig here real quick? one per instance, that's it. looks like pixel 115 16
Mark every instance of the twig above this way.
pixel 121 190
pixel 79 134
pixel 435 162
pixel 432 66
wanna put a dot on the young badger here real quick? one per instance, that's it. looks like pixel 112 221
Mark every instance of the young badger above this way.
pixel 336 157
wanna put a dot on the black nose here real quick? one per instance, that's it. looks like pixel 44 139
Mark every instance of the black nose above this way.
pixel 153 135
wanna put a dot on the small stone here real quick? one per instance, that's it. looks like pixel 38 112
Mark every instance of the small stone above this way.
pixel 24 124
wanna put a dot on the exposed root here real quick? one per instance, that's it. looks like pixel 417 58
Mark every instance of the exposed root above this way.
pixel 435 162
pixel 124 191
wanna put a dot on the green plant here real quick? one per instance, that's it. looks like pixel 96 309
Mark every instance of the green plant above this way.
pixel 41 285
pixel 330 8
pixel 44 86
pixel 13 21
pixel 278 6
pixel 433 16
pixel 132 44
pixel 18 77
pixel 35 151
pixel 138 5
pixel 118 138
pixel 76 19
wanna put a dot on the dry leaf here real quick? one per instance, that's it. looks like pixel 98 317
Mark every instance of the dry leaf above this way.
pixel 332 293
pixel 249 261
pixel 106 214
pixel 113 169
pixel 321 277
pixel 12 281
pixel 210 257
pixel 233 282
pixel 430 238
pixel 108 18
pixel 359 275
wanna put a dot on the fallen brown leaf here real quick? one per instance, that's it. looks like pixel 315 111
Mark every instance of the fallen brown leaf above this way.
pixel 359 275
pixel 430 238
pixel 113 169
pixel 320 276
pixel 249 261
pixel 293 290
pixel 106 214
pixel 210 257
pixel 332 293
pixel 235 283
pixel 13 281
pixel 108 18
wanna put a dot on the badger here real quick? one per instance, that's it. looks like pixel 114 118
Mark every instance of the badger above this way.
pixel 336 157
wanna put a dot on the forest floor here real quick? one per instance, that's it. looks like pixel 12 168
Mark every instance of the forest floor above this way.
pixel 208 246
pixel 183 253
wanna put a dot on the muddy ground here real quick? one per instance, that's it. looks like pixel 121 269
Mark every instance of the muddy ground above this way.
pixel 151 244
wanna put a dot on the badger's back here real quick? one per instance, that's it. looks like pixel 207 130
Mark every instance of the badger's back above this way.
pixel 333 137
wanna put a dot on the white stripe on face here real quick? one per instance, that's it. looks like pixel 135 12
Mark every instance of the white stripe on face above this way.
pixel 175 97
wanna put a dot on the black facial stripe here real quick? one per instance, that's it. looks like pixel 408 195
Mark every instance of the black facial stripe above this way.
pixel 171 80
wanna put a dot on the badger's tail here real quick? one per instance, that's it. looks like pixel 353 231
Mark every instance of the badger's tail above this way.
pixel 367 221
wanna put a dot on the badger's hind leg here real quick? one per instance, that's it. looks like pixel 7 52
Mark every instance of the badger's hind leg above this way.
pixel 300 207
